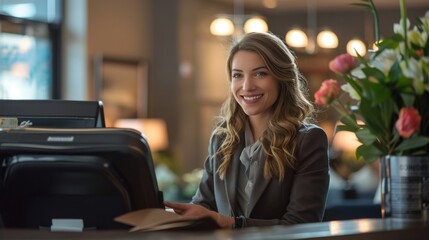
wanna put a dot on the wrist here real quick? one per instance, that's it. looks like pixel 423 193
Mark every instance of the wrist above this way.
pixel 222 221
pixel 238 223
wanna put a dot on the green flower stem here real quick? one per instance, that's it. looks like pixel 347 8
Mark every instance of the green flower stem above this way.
pixel 376 24
pixel 404 28
pixel 340 108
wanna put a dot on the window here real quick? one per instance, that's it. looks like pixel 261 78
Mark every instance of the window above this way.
pixel 29 49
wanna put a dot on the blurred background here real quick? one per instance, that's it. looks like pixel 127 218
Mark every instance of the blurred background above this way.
pixel 159 66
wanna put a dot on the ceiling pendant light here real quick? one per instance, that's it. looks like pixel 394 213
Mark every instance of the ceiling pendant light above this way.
pixel 296 38
pixel 327 39
pixel 238 23
pixel 222 26
pixel 355 47
pixel 255 24
pixel 269 3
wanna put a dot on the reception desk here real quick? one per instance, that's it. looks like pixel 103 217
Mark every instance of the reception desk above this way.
pixel 364 229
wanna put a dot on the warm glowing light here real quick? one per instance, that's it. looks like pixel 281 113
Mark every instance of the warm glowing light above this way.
pixel 334 227
pixel 345 141
pixel 296 38
pixel 255 24
pixel 222 27
pixel 364 225
pixel 154 130
pixel 338 227
pixel 355 47
pixel 269 3
pixel 327 39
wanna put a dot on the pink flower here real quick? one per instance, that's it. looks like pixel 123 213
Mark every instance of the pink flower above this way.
pixel 327 92
pixel 408 122
pixel 343 63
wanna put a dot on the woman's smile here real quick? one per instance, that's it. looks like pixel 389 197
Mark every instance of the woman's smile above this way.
pixel 250 99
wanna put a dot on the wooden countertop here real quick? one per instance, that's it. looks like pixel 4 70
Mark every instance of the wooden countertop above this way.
pixel 379 229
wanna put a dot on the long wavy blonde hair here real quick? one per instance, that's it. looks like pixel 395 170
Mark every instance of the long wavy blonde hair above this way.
pixel 290 111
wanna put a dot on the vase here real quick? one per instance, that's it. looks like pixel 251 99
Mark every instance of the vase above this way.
pixel 405 187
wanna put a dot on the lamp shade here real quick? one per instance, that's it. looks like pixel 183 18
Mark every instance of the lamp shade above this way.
pixel 154 130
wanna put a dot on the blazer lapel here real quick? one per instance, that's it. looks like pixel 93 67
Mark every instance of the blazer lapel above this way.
pixel 231 179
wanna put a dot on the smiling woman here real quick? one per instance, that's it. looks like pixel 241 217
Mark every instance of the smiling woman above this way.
pixel 264 146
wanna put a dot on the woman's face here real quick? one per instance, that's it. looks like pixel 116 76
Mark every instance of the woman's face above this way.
pixel 253 86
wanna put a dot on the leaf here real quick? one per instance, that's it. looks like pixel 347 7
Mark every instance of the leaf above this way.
pixel 369 4
pixel 425 67
pixel 395 137
pixel 355 85
pixel 408 99
pixel 375 92
pixel 405 85
pixel 369 153
pixel 344 128
pixel 387 110
pixel 364 5
pixel 375 73
pixel 379 126
pixel 389 43
pixel 411 143
pixel 395 72
pixel 365 136
pixel 350 123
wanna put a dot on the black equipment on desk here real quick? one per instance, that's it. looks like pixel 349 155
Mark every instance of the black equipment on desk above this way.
pixel 54 113
pixel 94 174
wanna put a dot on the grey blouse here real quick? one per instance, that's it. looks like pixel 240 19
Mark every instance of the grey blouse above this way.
pixel 248 169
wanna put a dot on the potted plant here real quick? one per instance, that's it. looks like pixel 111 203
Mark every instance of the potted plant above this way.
pixel 389 93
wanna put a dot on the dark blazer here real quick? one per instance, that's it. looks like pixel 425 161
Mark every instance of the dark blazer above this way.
pixel 299 198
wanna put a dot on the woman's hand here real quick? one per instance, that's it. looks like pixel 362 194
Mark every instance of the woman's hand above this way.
pixel 191 211
pixel 195 211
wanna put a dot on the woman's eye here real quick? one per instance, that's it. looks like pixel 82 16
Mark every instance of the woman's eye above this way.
pixel 261 74
pixel 236 75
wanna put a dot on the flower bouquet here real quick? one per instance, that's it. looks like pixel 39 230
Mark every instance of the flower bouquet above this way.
pixel 385 100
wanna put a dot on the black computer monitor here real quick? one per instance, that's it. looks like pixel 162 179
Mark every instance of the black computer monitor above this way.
pixel 54 113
